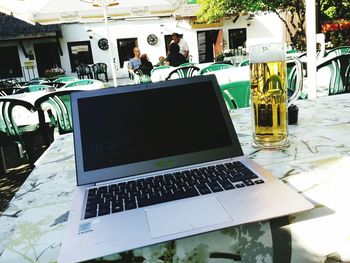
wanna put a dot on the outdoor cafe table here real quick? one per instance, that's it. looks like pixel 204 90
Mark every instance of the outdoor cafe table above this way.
pixel 316 164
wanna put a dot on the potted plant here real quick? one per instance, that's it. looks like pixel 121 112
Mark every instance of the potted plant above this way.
pixel 54 72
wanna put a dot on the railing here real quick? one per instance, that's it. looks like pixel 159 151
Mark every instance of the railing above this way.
pixel 27 73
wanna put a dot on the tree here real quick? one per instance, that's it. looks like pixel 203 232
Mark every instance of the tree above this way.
pixel 291 13
pixel 336 12
pixel 294 21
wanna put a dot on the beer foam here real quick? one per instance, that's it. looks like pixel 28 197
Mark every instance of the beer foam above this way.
pixel 267 53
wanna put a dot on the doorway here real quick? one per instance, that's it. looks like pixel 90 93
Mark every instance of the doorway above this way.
pixel 208 42
pixel 79 54
pixel 10 65
pixel 125 49
pixel 47 56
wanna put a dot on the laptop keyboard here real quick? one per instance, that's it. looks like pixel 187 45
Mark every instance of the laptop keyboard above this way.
pixel 143 192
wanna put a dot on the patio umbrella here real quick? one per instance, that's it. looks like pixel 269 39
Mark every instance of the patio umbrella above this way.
pixel 66 11
pixel 84 11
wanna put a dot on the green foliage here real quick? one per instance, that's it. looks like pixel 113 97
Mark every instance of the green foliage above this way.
pixel 330 12
pixel 334 10
pixel 295 25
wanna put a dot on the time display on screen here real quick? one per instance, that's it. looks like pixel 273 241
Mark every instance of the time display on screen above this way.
pixel 103 147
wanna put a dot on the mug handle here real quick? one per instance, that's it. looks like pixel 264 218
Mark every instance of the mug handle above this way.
pixel 297 77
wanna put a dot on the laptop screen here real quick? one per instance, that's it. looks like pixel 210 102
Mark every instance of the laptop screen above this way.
pixel 131 128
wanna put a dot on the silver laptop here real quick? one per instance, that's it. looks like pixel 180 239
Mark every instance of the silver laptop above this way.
pixel 158 162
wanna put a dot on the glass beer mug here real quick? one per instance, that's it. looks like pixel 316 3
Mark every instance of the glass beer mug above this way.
pixel 268 94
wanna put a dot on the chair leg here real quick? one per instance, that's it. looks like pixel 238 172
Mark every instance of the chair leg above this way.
pixel 3 167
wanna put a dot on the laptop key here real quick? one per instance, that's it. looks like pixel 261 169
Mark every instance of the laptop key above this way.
pixel 203 189
pixel 90 214
pixel 226 184
pixel 104 209
pixel 248 182
pixel 259 181
pixel 117 208
pixel 215 187
pixel 130 205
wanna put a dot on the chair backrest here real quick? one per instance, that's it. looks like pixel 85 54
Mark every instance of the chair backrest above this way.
pixel 144 74
pixel 65 79
pixel 186 64
pixel 58 107
pixel 99 68
pixel 84 70
pixel 291 78
pixel 82 82
pixel 183 72
pixel 160 67
pixel 244 63
pixel 37 81
pixel 33 88
pixel 339 77
pixel 337 51
pixel 214 67
pixel 7 122
pixel 236 94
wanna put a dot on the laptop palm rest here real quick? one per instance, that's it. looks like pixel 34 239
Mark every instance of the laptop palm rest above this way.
pixel 185 215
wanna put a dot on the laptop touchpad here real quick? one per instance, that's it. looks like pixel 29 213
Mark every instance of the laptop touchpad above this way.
pixel 184 215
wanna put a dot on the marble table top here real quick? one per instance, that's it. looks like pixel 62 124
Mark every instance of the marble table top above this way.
pixel 315 164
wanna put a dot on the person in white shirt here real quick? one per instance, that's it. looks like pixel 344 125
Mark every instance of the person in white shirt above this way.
pixel 184 50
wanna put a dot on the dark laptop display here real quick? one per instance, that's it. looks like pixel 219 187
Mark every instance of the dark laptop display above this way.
pixel 183 121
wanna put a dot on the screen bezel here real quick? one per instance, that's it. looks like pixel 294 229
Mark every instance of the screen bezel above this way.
pixel 126 170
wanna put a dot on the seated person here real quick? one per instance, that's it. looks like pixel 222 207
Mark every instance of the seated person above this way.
pixel 146 66
pixel 134 62
pixel 175 58
pixel 161 61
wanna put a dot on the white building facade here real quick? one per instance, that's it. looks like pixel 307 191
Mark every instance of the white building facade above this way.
pixel 81 43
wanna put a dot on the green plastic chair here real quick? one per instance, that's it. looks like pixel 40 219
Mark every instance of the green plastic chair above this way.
pixel 65 79
pixel 37 81
pixel 144 74
pixel 186 64
pixel 337 51
pixel 57 106
pixel 339 67
pixel 244 63
pixel 33 88
pixel 84 70
pixel 214 67
pixel 22 135
pixel 183 72
pixel 236 94
pixel 98 69
pixel 159 67
pixel 82 82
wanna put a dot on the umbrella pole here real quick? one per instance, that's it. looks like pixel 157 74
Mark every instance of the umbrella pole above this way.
pixel 110 47
pixel 311 48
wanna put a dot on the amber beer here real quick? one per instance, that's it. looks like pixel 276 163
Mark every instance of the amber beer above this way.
pixel 269 101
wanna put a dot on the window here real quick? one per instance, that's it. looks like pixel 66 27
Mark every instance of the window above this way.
pixel 10 65
pixel 125 49
pixel 79 53
pixel 237 37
